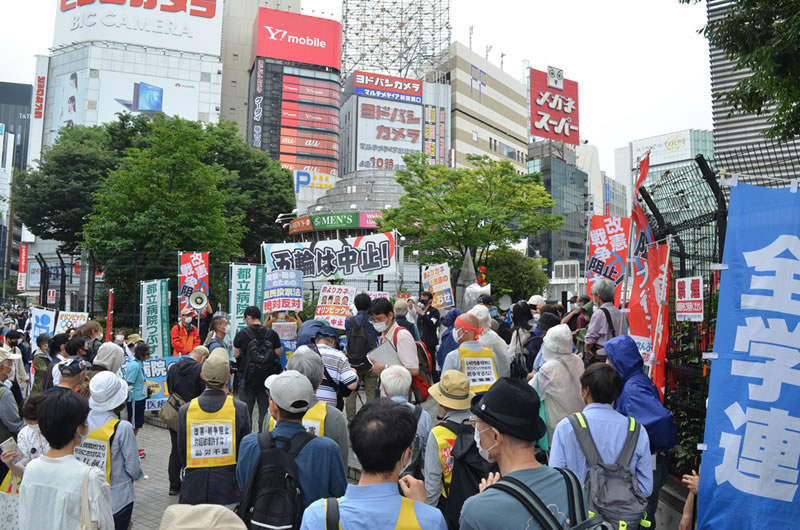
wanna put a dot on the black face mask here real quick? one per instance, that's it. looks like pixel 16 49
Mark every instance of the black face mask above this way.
pixel 424 302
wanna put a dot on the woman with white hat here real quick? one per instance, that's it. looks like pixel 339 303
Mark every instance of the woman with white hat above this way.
pixel 112 442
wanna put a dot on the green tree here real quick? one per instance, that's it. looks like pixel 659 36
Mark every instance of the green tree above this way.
pixel 513 273
pixel 761 37
pixel 162 199
pixel 446 212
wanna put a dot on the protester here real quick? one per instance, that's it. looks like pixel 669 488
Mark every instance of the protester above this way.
pixel 339 378
pixel 122 464
pixel 640 399
pixel 184 336
pixel 536 303
pixel 489 338
pixel 320 472
pixel 133 340
pixel 606 322
pixel 211 479
pixel 57 349
pixel 382 435
pixel 92 332
pixel 217 335
pixel 30 441
pixel 383 321
pixel 449 342
pixel 470 357
pixel 71 372
pixel 522 325
pixel 78 347
pixel 505 431
pixel 361 339
pixel 41 360
pixel 19 376
pixel 51 492
pixel 10 422
pixel 322 419
pixel 283 316
pixel 558 380
pixel 428 321
pixel 185 382
pixel 119 337
pixel 533 347
pixel 453 396
pixel 401 313
pixel 573 318
pixel 396 385
pixel 109 358
pixel 257 351
pixel 134 375
pixel 600 387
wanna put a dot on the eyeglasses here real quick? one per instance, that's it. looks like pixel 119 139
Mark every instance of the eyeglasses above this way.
pixel 473 420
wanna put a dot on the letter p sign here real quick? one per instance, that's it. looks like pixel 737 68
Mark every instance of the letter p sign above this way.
pixel 301 178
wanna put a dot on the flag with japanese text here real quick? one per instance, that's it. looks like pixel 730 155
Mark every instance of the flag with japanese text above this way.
pixel 750 470
pixel 245 288
pixel 436 280
pixel 283 291
pixel 154 316
pixel 649 273
pixel 192 276
pixel 608 251
pixel 334 304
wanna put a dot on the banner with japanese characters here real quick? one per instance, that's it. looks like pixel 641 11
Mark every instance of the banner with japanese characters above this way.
pixel 154 316
pixel 436 280
pixel 42 321
pixel 749 477
pixel 245 288
pixel 155 374
pixel 608 251
pixel 334 304
pixel 70 320
pixel 353 257
pixel 283 291
pixel 689 299
pixel 192 276
pixel 374 295
pixel 649 275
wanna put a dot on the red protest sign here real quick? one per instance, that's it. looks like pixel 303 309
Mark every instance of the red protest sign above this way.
pixel 608 250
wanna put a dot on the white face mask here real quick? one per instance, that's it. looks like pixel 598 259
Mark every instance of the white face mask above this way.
pixel 228 329
pixel 187 320
pixel 380 327
pixel 120 338
pixel 281 316
pixel 483 452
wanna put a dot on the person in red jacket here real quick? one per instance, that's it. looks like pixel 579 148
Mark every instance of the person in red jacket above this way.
pixel 185 337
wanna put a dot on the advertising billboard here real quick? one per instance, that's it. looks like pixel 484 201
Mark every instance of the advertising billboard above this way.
pixel 387 87
pixel 664 149
pixel 299 38
pixel 310 186
pixel 300 115
pixel 69 102
pixel 303 141
pixel 142 94
pixel 387 130
pixel 315 91
pixel 184 25
pixel 554 106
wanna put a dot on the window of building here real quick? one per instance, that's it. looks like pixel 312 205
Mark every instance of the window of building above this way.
pixel 475 136
pixel 506 151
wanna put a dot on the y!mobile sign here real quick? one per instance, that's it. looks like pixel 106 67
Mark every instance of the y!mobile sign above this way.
pixel 299 38
pixel 554 106
pixel 387 87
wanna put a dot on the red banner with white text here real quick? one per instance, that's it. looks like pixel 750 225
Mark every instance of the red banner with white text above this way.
pixel 23 266
pixel 608 251
pixel 110 316
pixel 649 276
pixel 192 276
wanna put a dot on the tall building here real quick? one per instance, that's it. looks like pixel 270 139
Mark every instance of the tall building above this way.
pixel 588 160
pixel 615 197
pixel 569 187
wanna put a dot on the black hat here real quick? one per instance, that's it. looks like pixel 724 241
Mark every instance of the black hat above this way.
pixel 512 407
pixel 485 299
pixel 548 320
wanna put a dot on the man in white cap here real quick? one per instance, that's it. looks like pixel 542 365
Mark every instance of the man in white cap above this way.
pixel 320 472
pixel 111 444
pixel 10 422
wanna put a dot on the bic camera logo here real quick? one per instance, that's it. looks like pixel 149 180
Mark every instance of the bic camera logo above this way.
pixel 282 34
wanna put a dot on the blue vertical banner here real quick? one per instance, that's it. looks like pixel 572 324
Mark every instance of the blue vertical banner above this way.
pixel 749 476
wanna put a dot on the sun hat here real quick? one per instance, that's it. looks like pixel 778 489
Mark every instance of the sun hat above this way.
pixel 452 390
pixel 216 369
pixel 108 391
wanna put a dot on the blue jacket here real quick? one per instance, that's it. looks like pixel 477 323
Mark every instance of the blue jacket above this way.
pixel 448 340
pixel 362 317
pixel 640 397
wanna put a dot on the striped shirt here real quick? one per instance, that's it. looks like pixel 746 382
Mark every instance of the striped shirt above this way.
pixel 338 367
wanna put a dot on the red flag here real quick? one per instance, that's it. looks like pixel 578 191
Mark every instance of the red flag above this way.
pixel 110 316
pixel 644 168
pixel 608 251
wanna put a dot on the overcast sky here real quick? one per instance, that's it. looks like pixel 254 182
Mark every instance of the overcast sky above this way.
pixel 641 67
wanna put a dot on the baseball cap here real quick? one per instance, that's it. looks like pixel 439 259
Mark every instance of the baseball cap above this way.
pixel 108 391
pixel 485 299
pixel 452 390
pixel 507 407
pixel 187 311
pixel 290 390
pixel 536 300
pixel 216 368
pixel 72 366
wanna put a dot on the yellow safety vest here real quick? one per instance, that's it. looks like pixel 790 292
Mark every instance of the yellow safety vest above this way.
pixel 313 420
pixel 406 520
pixel 479 368
pixel 445 439
pixel 211 436
pixel 96 448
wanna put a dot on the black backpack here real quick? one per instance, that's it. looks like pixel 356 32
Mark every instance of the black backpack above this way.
pixel 273 498
pixel 260 360
pixel 358 345
pixel 469 467
pixel 414 467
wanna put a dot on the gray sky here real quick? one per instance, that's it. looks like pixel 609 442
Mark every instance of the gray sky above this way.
pixel 641 67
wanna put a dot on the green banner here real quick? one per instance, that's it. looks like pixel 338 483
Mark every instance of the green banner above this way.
pixel 335 220
pixel 154 316
pixel 245 288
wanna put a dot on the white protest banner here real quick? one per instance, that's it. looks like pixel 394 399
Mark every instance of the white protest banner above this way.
pixel 70 319
pixel 245 288
pixel 353 257
pixel 285 330
pixel 689 299
pixel 154 316
pixel 42 321
pixel 374 295
pixel 283 291
pixel 436 279
pixel 334 304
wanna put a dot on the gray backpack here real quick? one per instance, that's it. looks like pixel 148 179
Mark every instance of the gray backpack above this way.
pixel 611 489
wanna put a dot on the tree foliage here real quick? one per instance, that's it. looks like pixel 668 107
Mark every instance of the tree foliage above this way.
pixel 761 37
pixel 511 272
pixel 446 212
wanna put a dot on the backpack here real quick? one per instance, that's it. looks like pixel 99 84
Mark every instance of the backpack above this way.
pixel 414 467
pixel 523 360
pixel 422 382
pixel 577 519
pixel 469 467
pixel 358 345
pixel 272 497
pixel 611 489
pixel 261 361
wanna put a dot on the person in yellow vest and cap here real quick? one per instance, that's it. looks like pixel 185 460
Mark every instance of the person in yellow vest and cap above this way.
pixel 481 365
pixel 111 444
pixel 210 430
pixel 453 395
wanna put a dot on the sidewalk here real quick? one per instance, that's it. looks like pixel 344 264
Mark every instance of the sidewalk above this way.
pixel 151 494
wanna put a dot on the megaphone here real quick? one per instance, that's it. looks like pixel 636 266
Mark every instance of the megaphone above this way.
pixel 504 303
pixel 198 301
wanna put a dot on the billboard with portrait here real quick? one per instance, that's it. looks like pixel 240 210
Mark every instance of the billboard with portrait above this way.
pixel 69 102
pixel 144 94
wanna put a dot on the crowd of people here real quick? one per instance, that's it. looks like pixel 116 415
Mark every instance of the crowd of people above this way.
pixel 545 418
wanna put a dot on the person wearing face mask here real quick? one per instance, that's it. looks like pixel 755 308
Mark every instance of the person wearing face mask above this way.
pixel 480 364
pixel 30 441
pixel 428 321
pixel 382 313
pixel 505 432
pixel 283 316
pixel 10 422
pixel 184 336
pixel 119 338
pixel 51 494
pixel 41 360
pixel 19 376
pixel 92 332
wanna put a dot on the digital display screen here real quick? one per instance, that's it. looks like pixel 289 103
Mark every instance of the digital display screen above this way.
pixel 149 97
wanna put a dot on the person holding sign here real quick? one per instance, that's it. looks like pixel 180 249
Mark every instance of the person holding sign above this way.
pixel 480 364
pixel 184 336
pixel 383 321
pixel 210 431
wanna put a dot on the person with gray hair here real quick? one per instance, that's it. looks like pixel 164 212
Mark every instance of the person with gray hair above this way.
pixel 489 338
pixel 401 317
pixel 324 418
pixel 396 385
pixel 606 322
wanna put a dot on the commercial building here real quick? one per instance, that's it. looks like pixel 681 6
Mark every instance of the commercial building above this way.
pixel 615 197
pixel 587 158
pixel 569 187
